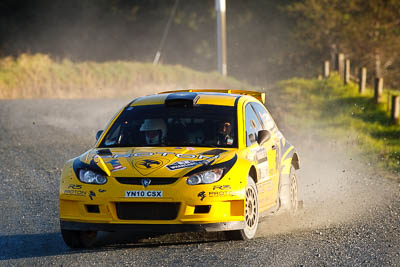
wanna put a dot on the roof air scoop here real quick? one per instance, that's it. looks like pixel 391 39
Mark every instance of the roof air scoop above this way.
pixel 184 100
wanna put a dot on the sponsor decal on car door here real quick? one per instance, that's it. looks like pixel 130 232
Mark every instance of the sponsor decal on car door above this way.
pixel 258 154
pixel 271 146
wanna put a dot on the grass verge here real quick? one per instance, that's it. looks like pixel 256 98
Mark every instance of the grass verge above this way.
pixel 341 114
pixel 38 76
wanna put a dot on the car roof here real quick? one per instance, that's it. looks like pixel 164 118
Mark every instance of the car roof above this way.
pixel 198 97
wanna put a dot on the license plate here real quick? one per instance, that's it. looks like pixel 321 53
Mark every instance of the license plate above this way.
pixel 143 193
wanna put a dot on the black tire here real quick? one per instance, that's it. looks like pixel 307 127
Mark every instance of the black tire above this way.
pixel 288 193
pixel 79 239
pixel 251 215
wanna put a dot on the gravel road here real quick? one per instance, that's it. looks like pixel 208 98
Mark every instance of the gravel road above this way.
pixel 351 213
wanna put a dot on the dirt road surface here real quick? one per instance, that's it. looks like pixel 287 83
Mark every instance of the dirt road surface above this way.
pixel 351 213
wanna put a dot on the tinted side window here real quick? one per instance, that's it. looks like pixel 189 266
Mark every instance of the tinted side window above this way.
pixel 252 125
pixel 266 118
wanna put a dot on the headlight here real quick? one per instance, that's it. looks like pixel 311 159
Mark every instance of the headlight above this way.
pixel 90 177
pixel 206 177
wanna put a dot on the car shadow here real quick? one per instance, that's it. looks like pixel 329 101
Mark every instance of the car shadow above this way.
pixel 51 244
pixel 31 245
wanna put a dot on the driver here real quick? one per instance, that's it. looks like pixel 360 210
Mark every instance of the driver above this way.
pixel 225 134
pixel 155 131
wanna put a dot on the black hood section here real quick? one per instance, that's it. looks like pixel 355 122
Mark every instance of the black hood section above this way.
pixel 184 100
pixel 105 152
pixel 78 165
pixel 227 165
pixel 214 152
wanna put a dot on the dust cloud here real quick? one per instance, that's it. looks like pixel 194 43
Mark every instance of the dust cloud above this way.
pixel 336 185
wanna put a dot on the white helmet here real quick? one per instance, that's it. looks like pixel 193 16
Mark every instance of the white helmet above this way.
pixel 155 130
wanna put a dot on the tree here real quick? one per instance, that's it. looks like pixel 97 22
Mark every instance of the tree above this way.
pixel 373 36
pixel 368 31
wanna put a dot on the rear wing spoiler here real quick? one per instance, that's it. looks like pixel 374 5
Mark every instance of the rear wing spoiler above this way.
pixel 258 95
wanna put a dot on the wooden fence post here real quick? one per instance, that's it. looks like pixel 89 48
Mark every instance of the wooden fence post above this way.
pixel 340 64
pixel 395 109
pixel 347 72
pixel 326 69
pixel 378 90
pixel 362 80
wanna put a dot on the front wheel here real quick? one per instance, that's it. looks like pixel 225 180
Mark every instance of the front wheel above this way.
pixel 78 239
pixel 251 214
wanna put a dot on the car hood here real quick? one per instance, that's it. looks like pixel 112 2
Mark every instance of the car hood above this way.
pixel 155 161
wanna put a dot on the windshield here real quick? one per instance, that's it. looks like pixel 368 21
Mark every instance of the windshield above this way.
pixel 158 125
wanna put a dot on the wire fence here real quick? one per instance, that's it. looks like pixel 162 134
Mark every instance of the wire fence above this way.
pixel 342 66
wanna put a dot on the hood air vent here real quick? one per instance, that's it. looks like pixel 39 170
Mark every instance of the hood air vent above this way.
pixel 184 100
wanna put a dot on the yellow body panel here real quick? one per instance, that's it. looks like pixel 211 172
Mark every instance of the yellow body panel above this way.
pixel 216 100
pixel 226 198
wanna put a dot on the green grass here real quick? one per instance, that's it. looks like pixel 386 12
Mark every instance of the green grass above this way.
pixel 39 76
pixel 340 113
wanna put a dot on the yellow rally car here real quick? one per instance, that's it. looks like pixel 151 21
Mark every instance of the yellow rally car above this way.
pixel 195 160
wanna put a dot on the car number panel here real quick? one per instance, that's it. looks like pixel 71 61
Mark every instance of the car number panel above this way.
pixel 143 193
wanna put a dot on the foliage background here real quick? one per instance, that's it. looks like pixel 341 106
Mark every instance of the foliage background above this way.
pixel 267 40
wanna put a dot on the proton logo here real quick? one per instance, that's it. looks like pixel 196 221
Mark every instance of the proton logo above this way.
pixel 148 163
pixel 202 195
pixel 146 182
pixel 92 194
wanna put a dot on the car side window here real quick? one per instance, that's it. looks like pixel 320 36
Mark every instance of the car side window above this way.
pixel 252 125
pixel 266 118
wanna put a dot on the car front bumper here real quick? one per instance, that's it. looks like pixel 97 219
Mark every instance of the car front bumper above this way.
pixel 180 208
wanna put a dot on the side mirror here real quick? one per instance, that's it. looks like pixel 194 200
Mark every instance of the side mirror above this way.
pixel 263 136
pixel 98 134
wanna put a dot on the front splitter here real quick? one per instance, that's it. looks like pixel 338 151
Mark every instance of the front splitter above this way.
pixel 154 228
